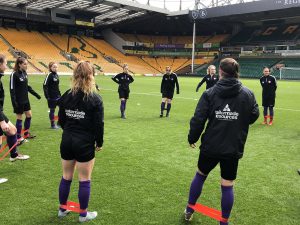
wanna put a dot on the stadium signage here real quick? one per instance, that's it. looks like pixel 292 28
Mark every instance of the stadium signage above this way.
pixel 84 23
pixel 169 46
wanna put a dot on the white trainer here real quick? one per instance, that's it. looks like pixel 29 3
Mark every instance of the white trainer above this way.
pixel 19 157
pixel 3 180
pixel 89 216
pixel 62 214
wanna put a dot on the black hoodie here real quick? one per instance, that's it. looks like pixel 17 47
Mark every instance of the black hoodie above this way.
pixel 229 108
pixel 2 116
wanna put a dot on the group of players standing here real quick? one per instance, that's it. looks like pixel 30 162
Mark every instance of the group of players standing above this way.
pixel 81 118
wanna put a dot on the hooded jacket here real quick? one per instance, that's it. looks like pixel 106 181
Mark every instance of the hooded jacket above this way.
pixel 229 108
pixel 2 116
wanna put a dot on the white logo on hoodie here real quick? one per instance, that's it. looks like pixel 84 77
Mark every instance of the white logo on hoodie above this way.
pixel 226 114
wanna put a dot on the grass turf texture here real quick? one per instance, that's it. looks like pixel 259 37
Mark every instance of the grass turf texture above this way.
pixel 144 172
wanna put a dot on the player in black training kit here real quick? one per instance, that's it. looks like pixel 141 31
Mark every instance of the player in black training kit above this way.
pixel 123 79
pixel 81 118
pixel 19 89
pixel 167 88
pixel 211 78
pixel 269 86
pixel 52 92
pixel 6 126
pixel 228 108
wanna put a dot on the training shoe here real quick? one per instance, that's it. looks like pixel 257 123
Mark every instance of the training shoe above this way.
pixel 62 214
pixel 123 116
pixel 161 115
pixel 3 180
pixel 21 141
pixel 270 123
pixel 167 115
pixel 55 127
pixel 30 136
pixel 188 216
pixel 19 157
pixel 89 216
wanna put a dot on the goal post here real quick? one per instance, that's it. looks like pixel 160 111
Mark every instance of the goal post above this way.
pixel 289 73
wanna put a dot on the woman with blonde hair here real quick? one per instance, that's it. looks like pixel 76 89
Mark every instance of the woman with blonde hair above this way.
pixel 211 78
pixel 123 79
pixel 81 118
pixel 52 92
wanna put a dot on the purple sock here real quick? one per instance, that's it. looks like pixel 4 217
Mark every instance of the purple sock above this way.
pixel 226 202
pixel 125 104
pixel 19 128
pixel 51 117
pixel 162 107
pixel 27 125
pixel 195 190
pixel 11 140
pixel 122 107
pixel 64 190
pixel 168 108
pixel 84 195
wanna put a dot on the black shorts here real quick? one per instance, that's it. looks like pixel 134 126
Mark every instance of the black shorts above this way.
pixel 6 120
pixel 21 108
pixel 168 95
pixel 268 101
pixel 77 147
pixel 52 103
pixel 123 93
pixel 228 166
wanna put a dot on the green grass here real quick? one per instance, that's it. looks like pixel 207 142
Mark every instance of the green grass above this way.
pixel 143 174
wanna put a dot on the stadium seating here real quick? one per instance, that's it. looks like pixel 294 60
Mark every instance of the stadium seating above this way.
pixel 136 64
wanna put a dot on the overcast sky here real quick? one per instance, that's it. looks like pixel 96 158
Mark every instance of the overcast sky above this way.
pixel 173 5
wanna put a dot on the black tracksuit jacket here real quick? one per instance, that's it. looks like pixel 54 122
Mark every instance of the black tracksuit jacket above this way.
pixel 82 115
pixel 168 83
pixel 2 116
pixel 51 86
pixel 210 81
pixel 123 79
pixel 269 86
pixel 229 109
pixel 19 88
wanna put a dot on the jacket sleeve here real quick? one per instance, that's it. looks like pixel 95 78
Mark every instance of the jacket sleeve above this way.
pixel 200 83
pixel 177 84
pixel 99 123
pixel 116 79
pixel 162 84
pixel 275 83
pixel 12 88
pixel 131 79
pixel 31 91
pixel 199 119
pixel 45 86
pixel 61 114
pixel 261 83
pixel 254 114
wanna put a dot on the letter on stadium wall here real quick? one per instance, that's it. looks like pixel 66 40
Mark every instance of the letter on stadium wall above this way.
pixel 290 29
pixel 269 31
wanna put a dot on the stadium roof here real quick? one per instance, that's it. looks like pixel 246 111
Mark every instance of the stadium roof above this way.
pixel 104 12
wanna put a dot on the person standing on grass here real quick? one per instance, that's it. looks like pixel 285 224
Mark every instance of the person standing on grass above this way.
pixel 123 79
pixel 167 88
pixel 211 78
pixel 229 107
pixel 19 89
pixel 7 127
pixel 81 118
pixel 52 92
pixel 269 86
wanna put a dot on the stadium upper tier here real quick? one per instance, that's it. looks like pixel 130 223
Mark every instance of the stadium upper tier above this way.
pixel 41 48
pixel 173 39
pixel 271 33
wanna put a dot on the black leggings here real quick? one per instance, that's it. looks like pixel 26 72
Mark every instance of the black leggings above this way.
pixel 271 108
